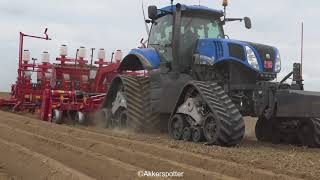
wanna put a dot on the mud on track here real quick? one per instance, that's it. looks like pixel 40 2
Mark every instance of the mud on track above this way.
pixel 32 149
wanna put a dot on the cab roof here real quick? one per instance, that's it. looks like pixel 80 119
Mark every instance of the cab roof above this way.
pixel 191 8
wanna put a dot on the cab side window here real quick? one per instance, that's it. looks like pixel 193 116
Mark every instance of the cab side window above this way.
pixel 161 32
pixel 161 37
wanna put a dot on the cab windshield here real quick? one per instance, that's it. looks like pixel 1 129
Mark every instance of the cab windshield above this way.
pixel 195 27
pixel 199 27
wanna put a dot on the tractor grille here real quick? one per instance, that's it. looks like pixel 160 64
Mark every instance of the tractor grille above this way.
pixel 236 51
pixel 263 51
pixel 218 49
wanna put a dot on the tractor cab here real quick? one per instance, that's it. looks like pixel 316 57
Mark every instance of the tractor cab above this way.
pixel 195 22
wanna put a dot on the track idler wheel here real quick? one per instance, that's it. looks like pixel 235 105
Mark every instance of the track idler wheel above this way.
pixel 197 134
pixel 263 130
pixel 57 116
pixel 309 132
pixel 177 127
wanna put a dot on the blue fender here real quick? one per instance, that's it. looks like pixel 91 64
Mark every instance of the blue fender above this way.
pixel 140 59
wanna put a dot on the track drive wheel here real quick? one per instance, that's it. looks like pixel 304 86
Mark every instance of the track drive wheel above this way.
pixel 309 132
pixel 57 116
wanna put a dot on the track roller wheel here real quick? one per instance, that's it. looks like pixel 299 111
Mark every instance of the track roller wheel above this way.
pixel 197 134
pixel 187 134
pixel 210 128
pixel 177 126
pixel 309 132
pixel 57 116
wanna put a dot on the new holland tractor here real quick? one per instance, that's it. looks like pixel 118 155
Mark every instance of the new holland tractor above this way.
pixel 200 84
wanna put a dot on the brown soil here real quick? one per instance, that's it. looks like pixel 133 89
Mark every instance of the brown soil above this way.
pixel 32 149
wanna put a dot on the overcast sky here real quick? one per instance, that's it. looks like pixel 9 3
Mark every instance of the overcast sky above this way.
pixel 118 24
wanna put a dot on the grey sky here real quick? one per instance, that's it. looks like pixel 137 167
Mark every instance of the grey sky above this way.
pixel 118 24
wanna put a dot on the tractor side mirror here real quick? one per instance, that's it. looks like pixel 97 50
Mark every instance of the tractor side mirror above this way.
pixel 153 12
pixel 247 22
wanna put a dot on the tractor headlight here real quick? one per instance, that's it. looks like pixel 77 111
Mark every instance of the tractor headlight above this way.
pixel 277 67
pixel 252 58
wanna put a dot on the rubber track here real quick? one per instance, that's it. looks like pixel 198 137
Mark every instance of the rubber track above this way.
pixel 232 124
pixel 139 108
pixel 316 136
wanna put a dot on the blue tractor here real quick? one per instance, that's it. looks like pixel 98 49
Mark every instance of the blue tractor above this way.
pixel 200 84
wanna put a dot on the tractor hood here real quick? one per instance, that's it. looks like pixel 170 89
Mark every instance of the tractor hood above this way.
pixel 258 57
